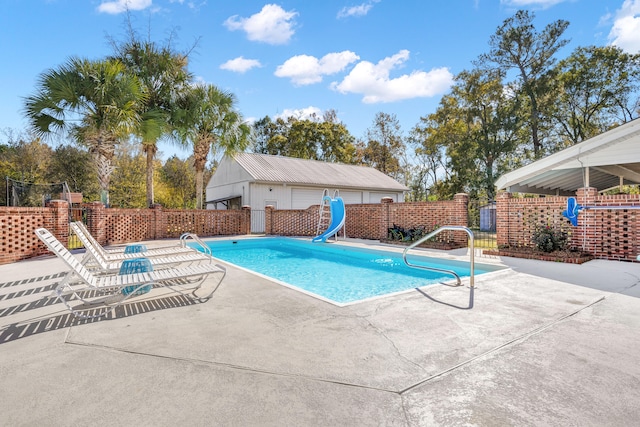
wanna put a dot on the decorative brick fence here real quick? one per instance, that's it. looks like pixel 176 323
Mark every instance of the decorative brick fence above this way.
pixel 116 226
pixel 17 238
pixel 372 221
pixel 111 226
pixel 605 233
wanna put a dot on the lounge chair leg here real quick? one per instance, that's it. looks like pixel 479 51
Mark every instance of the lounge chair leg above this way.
pixel 206 297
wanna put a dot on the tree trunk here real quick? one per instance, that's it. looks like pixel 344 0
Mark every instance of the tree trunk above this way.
pixel 150 149
pixel 201 149
pixel 102 148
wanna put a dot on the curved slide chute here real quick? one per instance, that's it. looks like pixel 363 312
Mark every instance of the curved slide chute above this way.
pixel 336 206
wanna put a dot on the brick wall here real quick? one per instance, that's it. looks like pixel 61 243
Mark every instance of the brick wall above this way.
pixel 605 233
pixel 111 226
pixel 116 226
pixel 372 220
pixel 17 225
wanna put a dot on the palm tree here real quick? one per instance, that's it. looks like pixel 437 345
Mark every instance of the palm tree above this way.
pixel 163 74
pixel 205 116
pixel 96 102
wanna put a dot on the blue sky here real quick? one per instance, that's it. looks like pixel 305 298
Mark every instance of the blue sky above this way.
pixel 296 57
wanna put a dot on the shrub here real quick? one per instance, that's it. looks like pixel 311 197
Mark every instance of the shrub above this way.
pixel 548 239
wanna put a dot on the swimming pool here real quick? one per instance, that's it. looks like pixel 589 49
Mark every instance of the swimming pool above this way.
pixel 339 274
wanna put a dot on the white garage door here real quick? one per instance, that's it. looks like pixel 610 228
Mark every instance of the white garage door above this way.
pixel 351 197
pixel 302 198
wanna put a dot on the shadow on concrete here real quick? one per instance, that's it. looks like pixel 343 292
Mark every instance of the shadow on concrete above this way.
pixel 23 329
pixel 468 307
pixel 49 314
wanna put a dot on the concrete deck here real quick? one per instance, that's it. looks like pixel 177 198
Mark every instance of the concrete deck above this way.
pixel 540 344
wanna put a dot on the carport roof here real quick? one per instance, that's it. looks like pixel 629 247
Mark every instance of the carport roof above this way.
pixel 603 162
pixel 279 169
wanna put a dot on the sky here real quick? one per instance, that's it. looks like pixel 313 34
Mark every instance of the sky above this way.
pixel 296 57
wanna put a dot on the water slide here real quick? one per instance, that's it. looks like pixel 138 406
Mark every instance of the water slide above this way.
pixel 337 219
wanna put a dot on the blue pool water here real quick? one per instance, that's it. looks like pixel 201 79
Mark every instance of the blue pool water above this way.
pixel 339 273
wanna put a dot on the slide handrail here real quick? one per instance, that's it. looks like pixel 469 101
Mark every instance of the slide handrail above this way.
pixel 442 270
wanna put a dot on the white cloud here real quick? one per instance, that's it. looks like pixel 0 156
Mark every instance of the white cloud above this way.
pixel 272 25
pixel 360 10
pixel 306 69
pixel 240 64
pixel 543 4
pixel 119 6
pixel 373 81
pixel 626 27
pixel 309 113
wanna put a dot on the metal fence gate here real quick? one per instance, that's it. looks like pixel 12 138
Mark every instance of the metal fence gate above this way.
pixel 482 221
pixel 76 213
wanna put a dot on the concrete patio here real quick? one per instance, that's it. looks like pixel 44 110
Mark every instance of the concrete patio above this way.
pixel 541 344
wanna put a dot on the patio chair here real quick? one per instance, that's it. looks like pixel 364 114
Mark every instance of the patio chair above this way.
pixel 116 289
pixel 111 255
pixel 96 259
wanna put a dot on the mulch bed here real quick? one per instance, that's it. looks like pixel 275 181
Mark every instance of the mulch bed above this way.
pixel 569 257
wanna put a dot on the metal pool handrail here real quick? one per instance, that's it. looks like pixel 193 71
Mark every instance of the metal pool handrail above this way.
pixel 441 270
pixel 205 248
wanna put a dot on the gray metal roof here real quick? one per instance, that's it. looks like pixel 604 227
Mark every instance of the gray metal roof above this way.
pixel 603 162
pixel 278 169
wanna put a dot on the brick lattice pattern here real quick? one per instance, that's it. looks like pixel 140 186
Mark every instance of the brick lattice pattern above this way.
pixel 110 226
pixel 372 220
pixel 612 234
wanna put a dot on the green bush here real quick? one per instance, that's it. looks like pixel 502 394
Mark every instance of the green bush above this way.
pixel 548 239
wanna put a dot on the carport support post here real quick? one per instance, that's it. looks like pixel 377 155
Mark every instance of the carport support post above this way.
pixel 585 233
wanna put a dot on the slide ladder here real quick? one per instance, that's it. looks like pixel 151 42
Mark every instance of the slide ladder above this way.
pixel 336 216
pixel 325 212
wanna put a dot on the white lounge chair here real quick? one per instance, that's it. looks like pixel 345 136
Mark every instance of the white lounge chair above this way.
pixel 119 288
pixel 96 258
pixel 119 254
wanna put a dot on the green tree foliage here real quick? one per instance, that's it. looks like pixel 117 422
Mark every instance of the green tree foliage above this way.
pixel 96 102
pixel 598 88
pixel 177 179
pixel 163 75
pixel 492 126
pixel 129 189
pixel 25 159
pixel 206 118
pixel 517 45
pixel 73 165
pixel 317 138
pixel 478 128
pixel 432 136
pixel 384 147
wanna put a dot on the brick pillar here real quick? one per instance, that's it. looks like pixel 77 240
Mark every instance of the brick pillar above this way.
pixel 245 224
pixel 585 233
pixel 159 228
pixel 461 217
pixel 268 219
pixel 60 220
pixel 502 219
pixel 386 220
pixel 96 221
